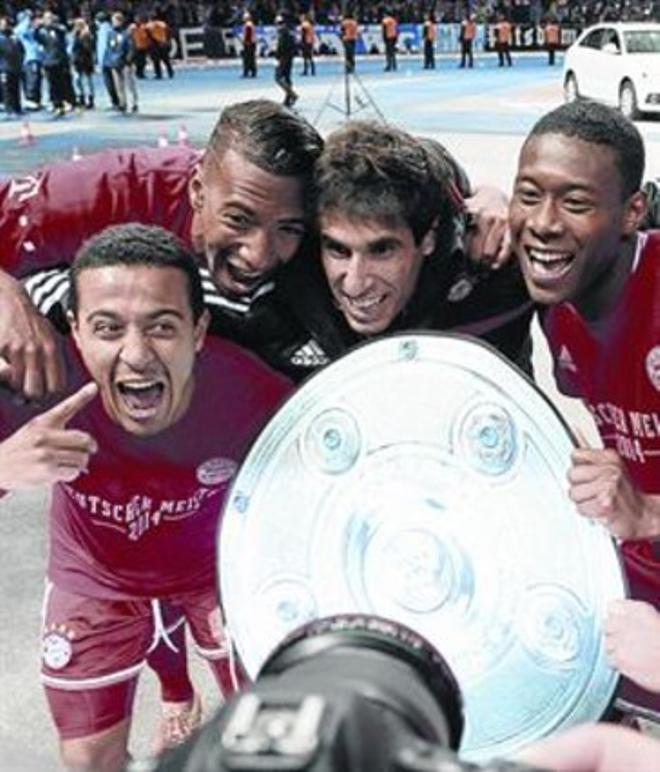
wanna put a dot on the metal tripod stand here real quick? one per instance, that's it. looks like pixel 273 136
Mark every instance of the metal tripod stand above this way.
pixel 356 97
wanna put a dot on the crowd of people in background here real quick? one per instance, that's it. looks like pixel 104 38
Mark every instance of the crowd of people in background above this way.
pixel 50 51
pixel 178 14
pixel 227 12
pixel 62 42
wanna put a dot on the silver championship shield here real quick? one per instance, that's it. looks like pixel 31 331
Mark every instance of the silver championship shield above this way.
pixel 423 479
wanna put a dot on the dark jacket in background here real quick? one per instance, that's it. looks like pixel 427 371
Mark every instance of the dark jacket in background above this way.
pixel 82 53
pixel 11 53
pixel 53 41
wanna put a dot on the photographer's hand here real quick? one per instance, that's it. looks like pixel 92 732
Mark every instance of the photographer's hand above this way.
pixel 595 748
pixel 632 641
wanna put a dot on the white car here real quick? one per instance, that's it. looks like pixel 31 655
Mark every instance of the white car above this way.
pixel 617 63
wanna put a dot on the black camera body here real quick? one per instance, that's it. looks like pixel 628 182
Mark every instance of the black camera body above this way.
pixel 350 693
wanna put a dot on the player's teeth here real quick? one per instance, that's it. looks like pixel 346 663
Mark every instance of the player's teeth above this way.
pixel 367 303
pixel 549 257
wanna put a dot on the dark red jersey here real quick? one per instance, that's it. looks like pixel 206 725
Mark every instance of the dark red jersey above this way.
pixel 45 216
pixel 619 379
pixel 142 522
pixel 619 376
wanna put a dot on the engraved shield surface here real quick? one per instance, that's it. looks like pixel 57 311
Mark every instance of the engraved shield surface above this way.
pixel 422 478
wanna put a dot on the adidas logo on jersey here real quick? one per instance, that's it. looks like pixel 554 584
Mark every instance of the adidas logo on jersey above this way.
pixel 566 360
pixel 309 355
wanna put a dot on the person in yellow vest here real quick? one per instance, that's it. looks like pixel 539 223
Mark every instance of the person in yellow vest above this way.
pixel 503 40
pixel 349 34
pixel 159 32
pixel 307 44
pixel 141 42
pixel 552 34
pixel 467 35
pixel 429 35
pixel 390 36
pixel 249 52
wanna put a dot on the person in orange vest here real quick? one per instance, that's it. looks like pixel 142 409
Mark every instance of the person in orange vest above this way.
pixel 141 41
pixel 467 35
pixel 349 34
pixel 249 52
pixel 159 32
pixel 390 36
pixel 552 33
pixel 307 44
pixel 429 35
pixel 503 39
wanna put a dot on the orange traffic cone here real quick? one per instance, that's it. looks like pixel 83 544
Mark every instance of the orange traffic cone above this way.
pixel 163 141
pixel 26 137
pixel 182 137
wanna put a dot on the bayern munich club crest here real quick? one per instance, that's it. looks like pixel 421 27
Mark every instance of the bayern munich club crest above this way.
pixel 216 471
pixel 653 367
pixel 56 650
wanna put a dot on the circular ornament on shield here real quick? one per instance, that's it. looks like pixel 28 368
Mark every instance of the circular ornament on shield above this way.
pixel 419 569
pixel 554 627
pixel 332 442
pixel 285 602
pixel 487 438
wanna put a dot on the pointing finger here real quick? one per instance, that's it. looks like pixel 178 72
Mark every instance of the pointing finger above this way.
pixel 64 411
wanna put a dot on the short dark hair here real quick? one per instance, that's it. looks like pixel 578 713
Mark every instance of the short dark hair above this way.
pixel 136 244
pixel 600 125
pixel 268 135
pixel 378 172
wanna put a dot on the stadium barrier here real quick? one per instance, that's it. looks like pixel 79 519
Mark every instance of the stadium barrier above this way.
pixel 217 43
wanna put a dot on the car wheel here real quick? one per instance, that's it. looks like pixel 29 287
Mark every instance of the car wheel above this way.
pixel 571 93
pixel 628 100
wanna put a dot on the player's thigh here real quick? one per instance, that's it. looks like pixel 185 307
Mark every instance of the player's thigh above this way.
pixel 92 652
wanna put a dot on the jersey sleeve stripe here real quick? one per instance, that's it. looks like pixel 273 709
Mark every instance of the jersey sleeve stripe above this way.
pixel 41 292
pixel 36 280
pixel 56 297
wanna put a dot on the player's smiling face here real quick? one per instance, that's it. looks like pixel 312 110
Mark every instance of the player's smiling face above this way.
pixel 372 268
pixel 247 221
pixel 135 331
pixel 567 216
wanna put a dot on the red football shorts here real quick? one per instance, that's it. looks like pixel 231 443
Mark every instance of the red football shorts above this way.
pixel 93 650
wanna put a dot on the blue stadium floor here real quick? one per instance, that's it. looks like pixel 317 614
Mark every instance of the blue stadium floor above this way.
pixel 486 100
pixel 422 101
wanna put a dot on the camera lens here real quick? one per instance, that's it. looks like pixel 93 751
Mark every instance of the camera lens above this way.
pixel 381 661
